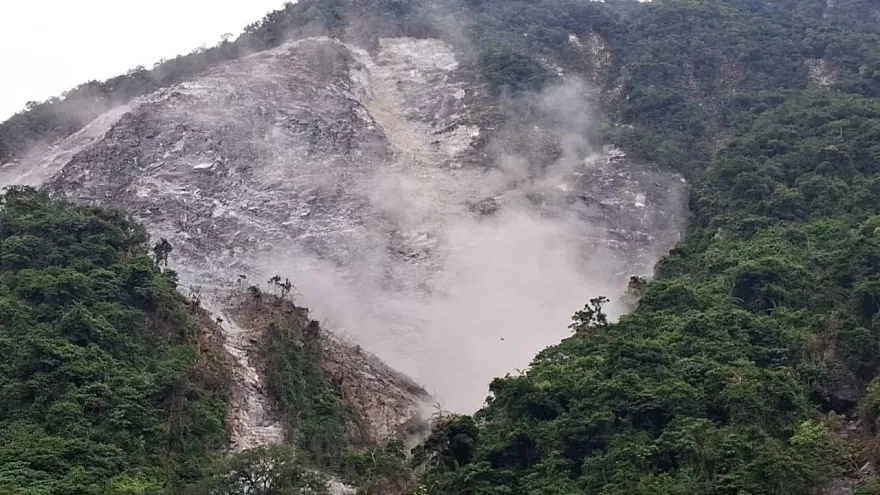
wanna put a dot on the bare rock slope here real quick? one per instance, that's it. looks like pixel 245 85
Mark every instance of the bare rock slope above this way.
pixel 452 246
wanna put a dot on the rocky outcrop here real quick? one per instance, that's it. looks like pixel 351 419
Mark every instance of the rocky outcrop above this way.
pixel 251 419
pixel 354 173
pixel 821 73
pixel 841 390
pixel 387 404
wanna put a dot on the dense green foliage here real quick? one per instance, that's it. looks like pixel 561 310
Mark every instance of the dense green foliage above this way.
pixel 721 381
pixel 264 470
pixel 312 409
pixel 378 470
pixel 754 344
pixel 717 382
pixel 102 389
pixel 682 69
pixel 318 421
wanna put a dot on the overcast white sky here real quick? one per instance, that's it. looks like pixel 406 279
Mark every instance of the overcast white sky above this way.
pixel 50 46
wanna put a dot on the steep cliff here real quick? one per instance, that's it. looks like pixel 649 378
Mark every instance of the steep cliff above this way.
pixel 355 172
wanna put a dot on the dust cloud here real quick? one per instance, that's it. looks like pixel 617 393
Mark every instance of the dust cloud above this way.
pixel 488 291
pixel 451 274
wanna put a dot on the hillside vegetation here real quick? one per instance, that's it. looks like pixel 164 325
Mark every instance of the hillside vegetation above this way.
pixel 113 383
pixel 746 356
pixel 748 366
pixel 108 383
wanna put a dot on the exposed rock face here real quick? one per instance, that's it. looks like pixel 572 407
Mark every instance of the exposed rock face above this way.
pixel 353 173
pixel 593 54
pixel 841 390
pixel 250 416
pixel 821 72
pixel 245 156
pixel 486 206
pixel 386 402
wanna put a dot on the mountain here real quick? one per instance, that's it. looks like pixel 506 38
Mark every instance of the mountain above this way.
pixel 356 176
pixel 444 183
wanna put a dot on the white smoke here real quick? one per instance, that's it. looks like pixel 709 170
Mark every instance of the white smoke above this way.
pixel 384 251
pixel 494 289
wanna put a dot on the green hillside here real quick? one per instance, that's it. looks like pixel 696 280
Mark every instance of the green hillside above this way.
pixel 748 367
pixel 748 356
pixel 109 383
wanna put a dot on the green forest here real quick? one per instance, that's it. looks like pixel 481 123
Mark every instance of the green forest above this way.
pixel 749 366
pixel 732 375
pixel 108 382
pixel 113 383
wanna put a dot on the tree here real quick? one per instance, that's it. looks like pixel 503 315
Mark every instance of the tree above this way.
pixel 591 317
pixel 450 445
pixel 256 294
pixel 285 286
pixel 161 250
pixel 264 470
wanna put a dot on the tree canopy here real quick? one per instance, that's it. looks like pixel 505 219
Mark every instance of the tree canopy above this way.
pixel 103 387
pixel 748 366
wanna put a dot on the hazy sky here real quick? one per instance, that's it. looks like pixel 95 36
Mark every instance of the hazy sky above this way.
pixel 49 46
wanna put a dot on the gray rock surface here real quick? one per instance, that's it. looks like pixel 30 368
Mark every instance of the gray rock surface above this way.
pixel 354 172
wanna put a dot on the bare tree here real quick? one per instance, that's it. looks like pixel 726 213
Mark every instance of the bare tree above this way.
pixel 256 294
pixel 162 249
